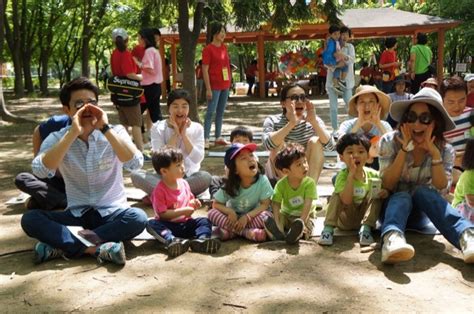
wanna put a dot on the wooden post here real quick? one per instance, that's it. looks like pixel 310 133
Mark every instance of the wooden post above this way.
pixel 261 65
pixel 174 63
pixel 439 66
pixel 162 54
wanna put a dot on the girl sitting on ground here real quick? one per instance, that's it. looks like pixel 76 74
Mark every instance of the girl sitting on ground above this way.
pixel 241 206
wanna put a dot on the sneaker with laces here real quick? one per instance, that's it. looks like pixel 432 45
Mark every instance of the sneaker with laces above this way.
pixel 205 245
pixel 342 84
pixel 366 238
pixel 467 245
pixel 296 231
pixel 395 249
pixel 326 238
pixel 177 247
pixel 111 252
pixel 338 89
pixel 272 230
pixel 45 252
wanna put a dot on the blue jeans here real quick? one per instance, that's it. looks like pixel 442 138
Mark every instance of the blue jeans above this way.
pixel 403 208
pixel 192 228
pixel 50 227
pixel 333 104
pixel 216 105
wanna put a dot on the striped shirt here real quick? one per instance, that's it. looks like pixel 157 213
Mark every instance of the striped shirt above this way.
pixel 92 172
pixel 299 134
pixel 459 136
pixel 395 97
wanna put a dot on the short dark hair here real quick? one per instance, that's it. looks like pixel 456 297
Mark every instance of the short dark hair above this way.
pixel 148 36
pixel 288 155
pixel 333 29
pixel 156 31
pixel 121 43
pixel 421 39
pixel 178 94
pixel 346 29
pixel 74 85
pixel 286 88
pixel 241 131
pixel 164 157
pixel 454 83
pixel 468 158
pixel 216 28
pixel 390 42
pixel 350 139
pixel 365 64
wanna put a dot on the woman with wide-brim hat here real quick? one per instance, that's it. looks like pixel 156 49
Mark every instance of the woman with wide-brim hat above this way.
pixel 416 165
pixel 370 106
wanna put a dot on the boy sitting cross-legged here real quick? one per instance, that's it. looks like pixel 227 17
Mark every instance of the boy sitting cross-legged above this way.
pixel 353 203
pixel 292 201
pixel 174 205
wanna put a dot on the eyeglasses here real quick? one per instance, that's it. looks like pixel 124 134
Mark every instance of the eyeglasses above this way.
pixel 78 104
pixel 295 97
pixel 424 118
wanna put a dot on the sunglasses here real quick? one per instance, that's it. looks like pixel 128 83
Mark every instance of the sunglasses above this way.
pixel 295 97
pixel 78 104
pixel 424 118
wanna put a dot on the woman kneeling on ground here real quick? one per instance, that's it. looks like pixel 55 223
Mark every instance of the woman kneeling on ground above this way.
pixel 416 164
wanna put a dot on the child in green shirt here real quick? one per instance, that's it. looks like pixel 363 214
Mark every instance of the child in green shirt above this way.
pixel 293 197
pixel 356 199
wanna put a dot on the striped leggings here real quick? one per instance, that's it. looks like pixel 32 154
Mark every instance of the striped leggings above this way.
pixel 221 220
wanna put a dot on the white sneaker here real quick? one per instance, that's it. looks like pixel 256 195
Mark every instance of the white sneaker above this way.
pixel 206 144
pixel 395 249
pixel 467 245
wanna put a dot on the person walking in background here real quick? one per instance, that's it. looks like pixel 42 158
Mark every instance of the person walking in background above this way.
pixel 420 60
pixel 152 73
pixel 122 64
pixel 217 79
pixel 250 74
pixel 389 64
pixel 199 82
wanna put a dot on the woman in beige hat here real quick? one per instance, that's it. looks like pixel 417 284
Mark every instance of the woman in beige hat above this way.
pixel 371 107
pixel 416 165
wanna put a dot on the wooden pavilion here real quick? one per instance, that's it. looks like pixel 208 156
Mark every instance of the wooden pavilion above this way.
pixel 364 23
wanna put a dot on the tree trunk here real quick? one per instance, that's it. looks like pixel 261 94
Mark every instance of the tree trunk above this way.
pixel 27 73
pixel 13 39
pixel 188 40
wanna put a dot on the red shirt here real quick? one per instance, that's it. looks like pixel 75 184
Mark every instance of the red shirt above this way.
pixel 389 56
pixel 251 69
pixel 366 73
pixel 218 61
pixel 470 100
pixel 199 72
pixel 122 63
pixel 163 198
pixel 138 52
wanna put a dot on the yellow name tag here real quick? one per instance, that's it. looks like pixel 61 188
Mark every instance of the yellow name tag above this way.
pixel 225 74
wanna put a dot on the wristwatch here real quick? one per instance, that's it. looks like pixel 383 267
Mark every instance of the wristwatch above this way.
pixel 105 128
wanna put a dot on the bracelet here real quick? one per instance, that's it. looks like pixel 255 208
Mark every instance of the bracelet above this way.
pixel 105 128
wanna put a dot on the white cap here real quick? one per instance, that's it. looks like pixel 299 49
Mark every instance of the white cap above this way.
pixel 119 32
pixel 469 77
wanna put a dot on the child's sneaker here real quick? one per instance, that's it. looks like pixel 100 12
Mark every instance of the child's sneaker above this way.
pixel 223 234
pixel 272 230
pixel 255 234
pixel 177 247
pixel 395 249
pixel 338 89
pixel 365 238
pixel 342 84
pixel 296 231
pixel 326 238
pixel 111 252
pixel 45 252
pixel 467 245
pixel 205 245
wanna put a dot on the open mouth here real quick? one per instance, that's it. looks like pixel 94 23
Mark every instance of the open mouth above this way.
pixel 367 112
pixel 253 167
pixel 180 116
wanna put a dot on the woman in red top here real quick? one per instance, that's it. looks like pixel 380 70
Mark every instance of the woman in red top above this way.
pixel 122 64
pixel 217 78
pixel 389 64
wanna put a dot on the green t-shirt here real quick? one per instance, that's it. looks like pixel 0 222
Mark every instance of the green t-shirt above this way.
pixel 464 186
pixel 360 188
pixel 423 58
pixel 247 199
pixel 291 200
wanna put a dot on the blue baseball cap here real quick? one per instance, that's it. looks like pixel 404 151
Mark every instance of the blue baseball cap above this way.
pixel 235 149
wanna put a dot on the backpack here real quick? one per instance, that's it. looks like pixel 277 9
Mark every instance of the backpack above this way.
pixel 124 91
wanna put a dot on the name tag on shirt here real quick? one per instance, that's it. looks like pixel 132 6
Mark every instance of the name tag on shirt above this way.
pixel 359 192
pixel 225 74
pixel 105 164
pixel 296 201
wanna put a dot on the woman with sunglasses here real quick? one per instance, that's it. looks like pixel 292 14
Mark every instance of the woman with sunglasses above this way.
pixel 416 165
pixel 298 123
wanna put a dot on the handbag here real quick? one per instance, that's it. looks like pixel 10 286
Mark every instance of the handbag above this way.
pixel 124 91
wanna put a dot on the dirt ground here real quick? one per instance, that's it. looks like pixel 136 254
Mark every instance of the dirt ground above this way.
pixel 242 277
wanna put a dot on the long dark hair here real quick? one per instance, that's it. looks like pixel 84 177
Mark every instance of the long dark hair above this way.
pixel 232 183
pixel 439 128
pixel 121 43
pixel 148 37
